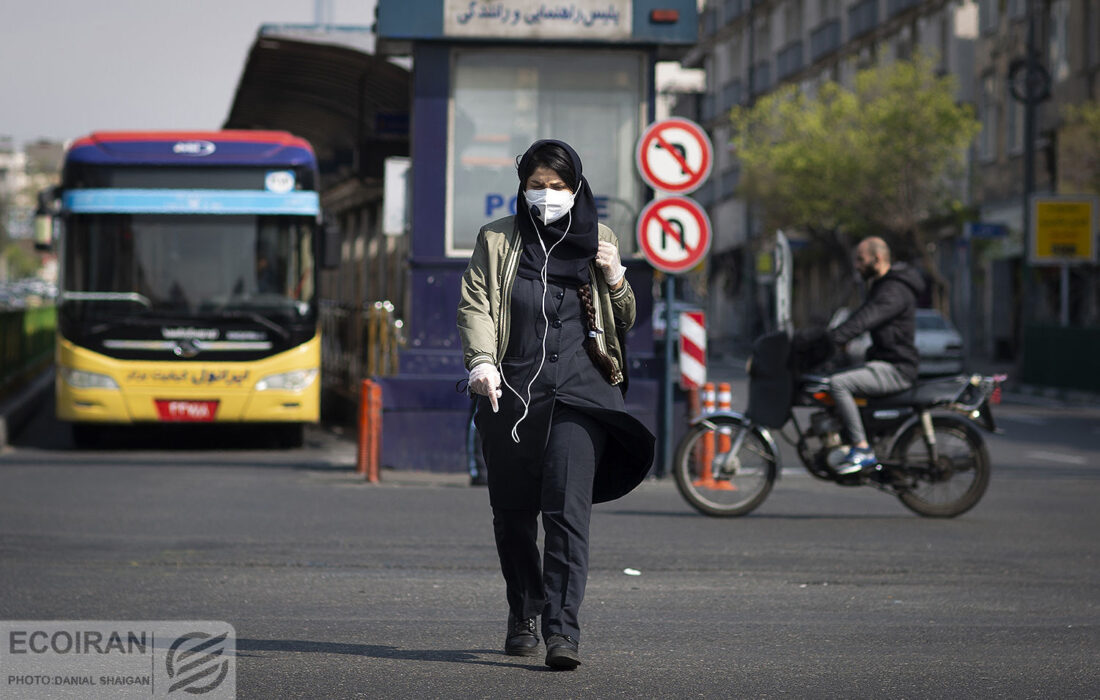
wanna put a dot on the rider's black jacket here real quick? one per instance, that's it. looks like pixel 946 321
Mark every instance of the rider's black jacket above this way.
pixel 888 313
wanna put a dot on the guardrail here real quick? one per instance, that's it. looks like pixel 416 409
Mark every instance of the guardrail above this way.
pixel 26 343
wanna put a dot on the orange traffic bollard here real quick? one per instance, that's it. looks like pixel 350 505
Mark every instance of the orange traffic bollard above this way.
pixel 706 478
pixel 370 431
pixel 725 403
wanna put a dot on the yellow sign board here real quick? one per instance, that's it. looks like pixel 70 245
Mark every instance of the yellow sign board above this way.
pixel 1063 230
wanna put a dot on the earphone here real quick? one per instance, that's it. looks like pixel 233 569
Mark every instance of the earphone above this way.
pixel 545 319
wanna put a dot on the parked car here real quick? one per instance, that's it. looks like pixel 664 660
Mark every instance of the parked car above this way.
pixel 938 342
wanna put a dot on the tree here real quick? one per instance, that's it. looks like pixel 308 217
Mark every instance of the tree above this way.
pixel 883 157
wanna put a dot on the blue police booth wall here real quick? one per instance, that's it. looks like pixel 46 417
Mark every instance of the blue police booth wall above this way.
pixel 477 103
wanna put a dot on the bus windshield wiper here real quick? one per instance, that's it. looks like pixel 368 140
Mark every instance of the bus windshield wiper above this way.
pixel 253 316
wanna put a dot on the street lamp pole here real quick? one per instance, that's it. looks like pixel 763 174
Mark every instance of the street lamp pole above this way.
pixel 1030 105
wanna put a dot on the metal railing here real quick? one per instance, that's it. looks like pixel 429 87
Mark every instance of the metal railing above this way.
pixel 359 342
pixel 26 342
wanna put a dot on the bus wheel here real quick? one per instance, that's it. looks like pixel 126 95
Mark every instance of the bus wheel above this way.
pixel 291 435
pixel 86 434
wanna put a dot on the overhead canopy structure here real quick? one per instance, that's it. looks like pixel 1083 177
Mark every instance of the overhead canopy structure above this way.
pixel 353 107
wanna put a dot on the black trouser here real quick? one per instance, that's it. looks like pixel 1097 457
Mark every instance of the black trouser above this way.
pixel 554 588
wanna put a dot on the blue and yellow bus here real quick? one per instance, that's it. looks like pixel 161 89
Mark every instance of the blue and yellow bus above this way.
pixel 188 272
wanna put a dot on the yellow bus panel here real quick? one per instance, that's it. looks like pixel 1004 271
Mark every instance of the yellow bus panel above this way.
pixel 283 387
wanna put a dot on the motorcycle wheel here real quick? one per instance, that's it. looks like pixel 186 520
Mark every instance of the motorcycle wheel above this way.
pixel 741 481
pixel 955 482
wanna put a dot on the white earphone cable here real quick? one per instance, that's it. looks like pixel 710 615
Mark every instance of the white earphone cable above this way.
pixel 546 325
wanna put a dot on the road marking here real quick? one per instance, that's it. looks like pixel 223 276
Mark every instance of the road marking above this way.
pixel 1057 457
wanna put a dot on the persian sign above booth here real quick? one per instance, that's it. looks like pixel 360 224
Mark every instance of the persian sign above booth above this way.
pixel 536 19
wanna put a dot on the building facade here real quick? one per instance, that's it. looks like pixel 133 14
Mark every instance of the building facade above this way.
pixel 748 48
pixel 1066 40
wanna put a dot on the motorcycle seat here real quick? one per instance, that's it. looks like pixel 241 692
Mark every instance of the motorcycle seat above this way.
pixel 924 393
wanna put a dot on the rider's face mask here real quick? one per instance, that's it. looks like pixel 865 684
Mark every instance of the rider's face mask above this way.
pixel 551 204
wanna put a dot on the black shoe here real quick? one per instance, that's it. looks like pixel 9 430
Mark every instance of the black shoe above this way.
pixel 521 639
pixel 561 652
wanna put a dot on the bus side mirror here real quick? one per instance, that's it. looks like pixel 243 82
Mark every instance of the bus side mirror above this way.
pixel 331 240
pixel 44 219
pixel 43 232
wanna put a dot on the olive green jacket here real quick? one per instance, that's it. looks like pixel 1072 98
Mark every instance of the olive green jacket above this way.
pixel 483 318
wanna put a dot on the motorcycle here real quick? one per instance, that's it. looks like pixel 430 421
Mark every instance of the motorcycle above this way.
pixel 932 455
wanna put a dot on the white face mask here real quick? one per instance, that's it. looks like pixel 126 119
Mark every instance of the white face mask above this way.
pixel 552 204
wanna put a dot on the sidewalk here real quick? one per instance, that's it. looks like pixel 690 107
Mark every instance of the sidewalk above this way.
pixel 1013 390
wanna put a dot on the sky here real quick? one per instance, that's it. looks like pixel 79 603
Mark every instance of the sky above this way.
pixel 70 67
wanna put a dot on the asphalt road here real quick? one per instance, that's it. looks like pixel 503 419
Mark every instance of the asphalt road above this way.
pixel 337 588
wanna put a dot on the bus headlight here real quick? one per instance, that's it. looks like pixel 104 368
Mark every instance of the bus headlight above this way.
pixel 288 381
pixel 79 379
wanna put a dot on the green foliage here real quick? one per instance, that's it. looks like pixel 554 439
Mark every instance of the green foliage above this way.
pixel 20 263
pixel 881 157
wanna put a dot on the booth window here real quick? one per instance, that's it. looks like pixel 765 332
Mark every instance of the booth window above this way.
pixel 503 100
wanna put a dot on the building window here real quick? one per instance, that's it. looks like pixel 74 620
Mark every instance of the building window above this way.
pixel 944 42
pixel 862 18
pixel 792 21
pixel 502 101
pixel 1059 40
pixel 733 59
pixel 1014 123
pixel 988 15
pixel 987 108
pixel 1017 9
pixel 824 39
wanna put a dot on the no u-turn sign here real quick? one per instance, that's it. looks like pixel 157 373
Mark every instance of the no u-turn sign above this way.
pixel 673 233
pixel 674 155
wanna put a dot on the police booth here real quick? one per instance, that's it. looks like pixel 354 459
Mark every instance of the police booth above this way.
pixel 490 78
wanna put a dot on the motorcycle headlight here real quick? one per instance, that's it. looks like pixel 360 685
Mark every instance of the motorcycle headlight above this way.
pixel 295 380
pixel 79 379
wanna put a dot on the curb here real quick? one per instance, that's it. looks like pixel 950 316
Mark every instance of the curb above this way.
pixel 1052 396
pixel 17 409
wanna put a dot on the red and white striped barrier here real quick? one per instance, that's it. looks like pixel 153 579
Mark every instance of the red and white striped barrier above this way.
pixel 693 349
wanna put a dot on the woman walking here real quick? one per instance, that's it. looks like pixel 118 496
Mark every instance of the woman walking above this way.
pixel 544 309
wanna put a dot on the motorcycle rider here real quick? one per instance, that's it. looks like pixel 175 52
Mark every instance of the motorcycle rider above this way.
pixel 891 362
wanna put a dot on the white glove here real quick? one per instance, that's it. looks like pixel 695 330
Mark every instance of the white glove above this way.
pixel 485 380
pixel 607 258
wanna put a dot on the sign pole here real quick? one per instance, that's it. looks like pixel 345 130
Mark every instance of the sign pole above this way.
pixel 1065 295
pixel 666 394
pixel 674 156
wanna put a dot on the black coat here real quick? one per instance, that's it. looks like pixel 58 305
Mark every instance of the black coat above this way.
pixel 567 377
pixel 889 313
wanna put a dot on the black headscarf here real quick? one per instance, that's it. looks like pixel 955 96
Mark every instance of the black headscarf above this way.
pixel 569 259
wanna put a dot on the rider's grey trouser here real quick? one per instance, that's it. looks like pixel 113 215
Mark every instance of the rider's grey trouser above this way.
pixel 872 379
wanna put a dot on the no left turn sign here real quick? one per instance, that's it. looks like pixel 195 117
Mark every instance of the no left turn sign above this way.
pixel 674 155
pixel 673 233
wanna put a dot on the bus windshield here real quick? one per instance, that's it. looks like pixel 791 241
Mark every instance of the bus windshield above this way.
pixel 191 265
